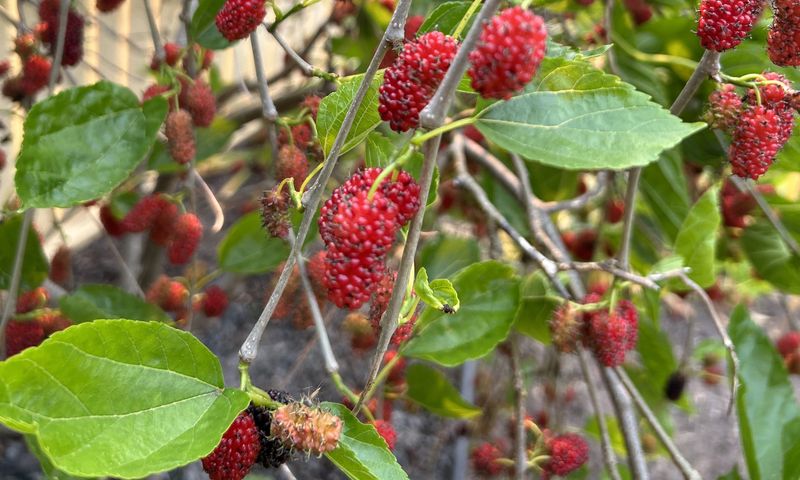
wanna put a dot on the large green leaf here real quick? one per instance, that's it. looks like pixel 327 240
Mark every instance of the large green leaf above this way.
pixel 333 109
pixel 430 388
pixel 80 144
pixel 362 453
pixel 489 293
pixel 34 263
pixel 536 308
pixel 204 29
pixel 119 398
pixel 575 116
pixel 445 255
pixel 247 248
pixel 771 258
pixel 697 238
pixel 663 187
pixel 445 18
pixel 94 302
pixel 766 404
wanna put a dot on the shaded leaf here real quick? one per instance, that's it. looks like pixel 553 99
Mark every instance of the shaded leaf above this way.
pixel 247 248
pixel 204 31
pixel 766 404
pixel 771 258
pixel 431 389
pixel 121 398
pixel 445 18
pixel 536 308
pixel 94 302
pixel 34 264
pixel 697 239
pixel 445 255
pixel 333 109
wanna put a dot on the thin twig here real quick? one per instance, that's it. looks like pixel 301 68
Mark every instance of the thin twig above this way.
pixel 723 333
pixel 22 25
pixel 331 365
pixel 132 283
pixel 391 315
pixel 609 458
pixel 16 275
pixel 268 110
pixel 63 12
pixel 627 424
pixel 153 25
pixel 211 200
pixel 249 349
pixel 305 67
pixel 689 473
pixel 186 19
pixel 707 67
pixel 463 178
pixel 520 453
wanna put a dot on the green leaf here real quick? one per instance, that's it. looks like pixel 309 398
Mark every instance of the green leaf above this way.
pixel 445 18
pixel 80 144
pixel 119 398
pixel 489 293
pixel 767 408
pixel 430 389
pixel 94 302
pixel 50 471
pixel 663 187
pixel 445 255
pixel 204 29
pixel 436 294
pixel 362 453
pixel 536 308
pixel 333 108
pixel 247 248
pixel 697 239
pixel 771 258
pixel 574 116
pixel 34 263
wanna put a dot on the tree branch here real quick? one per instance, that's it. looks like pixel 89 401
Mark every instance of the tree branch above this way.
pixel 268 111
pixel 520 452
pixel 627 424
pixel 249 349
pixel 609 458
pixel 16 275
pixel 689 473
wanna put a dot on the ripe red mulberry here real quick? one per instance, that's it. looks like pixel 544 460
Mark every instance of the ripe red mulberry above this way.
pixel 238 18
pixel 723 24
pixel 509 52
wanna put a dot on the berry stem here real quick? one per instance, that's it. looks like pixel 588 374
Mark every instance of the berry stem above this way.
pixel 381 377
pixel 309 177
pixel 151 23
pixel 249 349
pixel 389 169
pixel 345 390
pixel 473 7
pixel 424 137
pixel 305 67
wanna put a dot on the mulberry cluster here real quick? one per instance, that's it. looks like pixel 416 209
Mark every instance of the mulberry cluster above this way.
pixel 307 429
pixel 169 294
pixel 567 452
pixel 22 334
pixel 214 301
pixel 509 52
pixel 387 431
pixel 48 31
pixel 185 239
pixel 107 6
pixel 723 24
pixel 484 459
pixel 788 346
pixel 411 81
pixel 237 452
pixel 239 18
pixel 358 232
pixel 61 266
pixel 275 212
pixel 723 110
pixel 756 142
pixel 610 334
pixel 180 136
pixel 273 452
pixel 291 163
pixel 783 41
